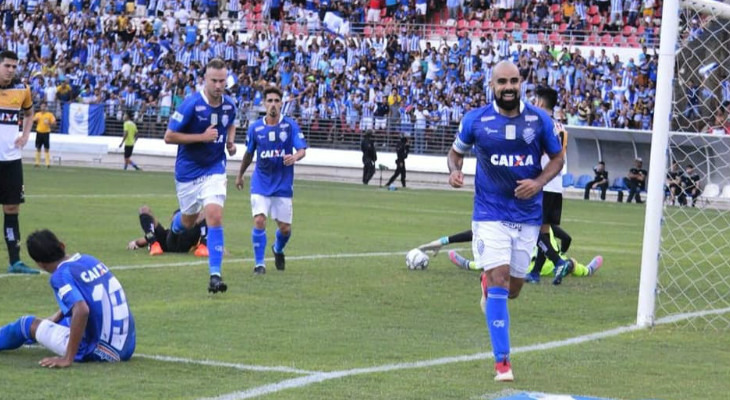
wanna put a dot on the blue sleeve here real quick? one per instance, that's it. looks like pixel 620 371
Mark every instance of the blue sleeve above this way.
pixel 549 140
pixel 250 140
pixel 297 136
pixel 464 136
pixel 182 116
pixel 66 291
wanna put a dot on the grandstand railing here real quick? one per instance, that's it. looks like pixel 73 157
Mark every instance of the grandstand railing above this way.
pixel 558 34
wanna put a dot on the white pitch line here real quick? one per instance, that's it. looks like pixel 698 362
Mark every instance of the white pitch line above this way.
pixel 212 363
pixel 305 257
pixel 325 376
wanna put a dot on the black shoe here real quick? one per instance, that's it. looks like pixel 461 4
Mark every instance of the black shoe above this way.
pixel 216 284
pixel 279 259
pixel 259 270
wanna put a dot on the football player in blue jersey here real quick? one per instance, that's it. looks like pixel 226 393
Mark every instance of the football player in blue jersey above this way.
pixel 203 127
pixel 277 143
pixel 94 322
pixel 508 138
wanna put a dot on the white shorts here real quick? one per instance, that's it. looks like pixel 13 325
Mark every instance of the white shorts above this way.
pixel 366 123
pixel 421 9
pixel 381 123
pixel 498 243
pixel 278 208
pixel 53 336
pixel 194 195
pixel 373 15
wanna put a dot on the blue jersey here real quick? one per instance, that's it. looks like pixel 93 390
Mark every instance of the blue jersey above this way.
pixel 195 115
pixel 271 143
pixel 507 150
pixel 110 331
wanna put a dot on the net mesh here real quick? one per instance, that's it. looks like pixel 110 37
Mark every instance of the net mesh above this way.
pixel 694 268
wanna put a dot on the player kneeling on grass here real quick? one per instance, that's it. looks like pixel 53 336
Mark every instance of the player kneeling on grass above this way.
pixel 94 322
pixel 161 240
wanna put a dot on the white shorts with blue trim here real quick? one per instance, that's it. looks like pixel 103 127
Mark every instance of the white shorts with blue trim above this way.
pixel 278 208
pixel 498 243
pixel 198 193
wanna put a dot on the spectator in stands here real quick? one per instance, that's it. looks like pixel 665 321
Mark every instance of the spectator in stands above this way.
pixel 636 181
pixel 600 180
pixel 721 124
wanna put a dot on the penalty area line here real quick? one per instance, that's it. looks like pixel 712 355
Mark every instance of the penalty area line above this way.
pixel 303 381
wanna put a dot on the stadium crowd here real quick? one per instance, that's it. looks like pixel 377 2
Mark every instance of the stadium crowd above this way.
pixel 146 57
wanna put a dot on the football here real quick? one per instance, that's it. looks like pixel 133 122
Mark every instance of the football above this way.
pixel 416 259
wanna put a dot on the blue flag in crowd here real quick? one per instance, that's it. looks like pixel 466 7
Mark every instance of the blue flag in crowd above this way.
pixel 83 119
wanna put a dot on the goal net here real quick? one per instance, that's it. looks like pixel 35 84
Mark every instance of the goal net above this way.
pixel 693 260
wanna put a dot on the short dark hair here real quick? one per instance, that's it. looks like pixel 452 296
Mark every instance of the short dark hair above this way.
pixel 7 54
pixel 548 95
pixel 602 163
pixel 216 63
pixel 275 90
pixel 44 246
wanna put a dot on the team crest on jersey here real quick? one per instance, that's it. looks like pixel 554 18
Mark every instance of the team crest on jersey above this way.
pixel 224 119
pixel 283 136
pixel 528 134
pixel 511 160
pixel 530 118
pixel 177 116
pixel 199 108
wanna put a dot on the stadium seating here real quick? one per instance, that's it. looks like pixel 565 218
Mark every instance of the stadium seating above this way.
pixel 712 190
pixel 567 180
pixel 725 194
pixel 582 181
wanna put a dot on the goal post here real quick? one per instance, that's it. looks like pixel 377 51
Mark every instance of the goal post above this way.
pixel 683 276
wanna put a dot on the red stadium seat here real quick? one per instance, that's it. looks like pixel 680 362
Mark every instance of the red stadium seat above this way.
pixel 633 41
pixel 257 8
pixel 593 10
pixel 563 27
pixel 557 18
pixel 627 30
pixel 487 25
pixel 596 20
pixel 555 38
pixel 367 31
pixel 524 25
pixel 606 40
pixel 500 34
pixel 618 40
pixel 555 8
pixel 510 26
pixel 474 24
pixel 593 40
pixel 640 30
pixel 461 24
pixel 498 25
pixel 541 37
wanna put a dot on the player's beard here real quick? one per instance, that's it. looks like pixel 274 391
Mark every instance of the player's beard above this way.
pixel 508 105
pixel 273 113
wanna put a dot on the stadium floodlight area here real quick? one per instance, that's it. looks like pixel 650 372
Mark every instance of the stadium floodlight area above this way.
pixel 685 264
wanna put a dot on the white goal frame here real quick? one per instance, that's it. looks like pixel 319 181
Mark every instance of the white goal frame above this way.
pixel 659 148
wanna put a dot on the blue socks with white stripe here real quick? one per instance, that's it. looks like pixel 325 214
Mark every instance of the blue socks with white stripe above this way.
pixel 258 239
pixel 281 241
pixel 215 249
pixel 498 322
pixel 177 225
pixel 15 334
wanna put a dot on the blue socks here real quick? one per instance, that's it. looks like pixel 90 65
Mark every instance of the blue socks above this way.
pixel 498 322
pixel 15 334
pixel 215 249
pixel 281 241
pixel 258 239
pixel 177 225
